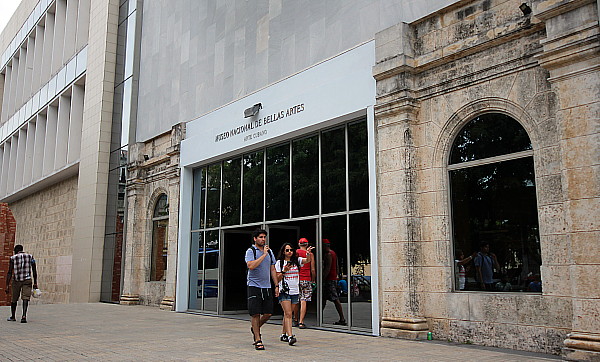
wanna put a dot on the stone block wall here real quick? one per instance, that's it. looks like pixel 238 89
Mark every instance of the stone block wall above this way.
pixel 433 76
pixel 45 229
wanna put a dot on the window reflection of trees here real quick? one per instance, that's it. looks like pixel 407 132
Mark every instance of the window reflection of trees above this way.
pixel 333 171
pixel 160 224
pixel 305 176
pixel 278 182
pixel 252 200
pixel 230 208
pixel 489 135
pixel 358 165
pixel 212 195
pixel 496 201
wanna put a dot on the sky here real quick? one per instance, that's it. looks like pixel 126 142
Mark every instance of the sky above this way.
pixel 7 8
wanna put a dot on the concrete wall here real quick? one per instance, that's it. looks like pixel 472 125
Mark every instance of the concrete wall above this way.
pixel 199 55
pixel 16 21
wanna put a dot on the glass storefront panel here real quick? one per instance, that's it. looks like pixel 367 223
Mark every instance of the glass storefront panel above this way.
pixel 360 270
pixel 198 198
pixel 232 177
pixel 305 176
pixel 496 204
pixel 488 135
pixel 213 188
pixel 278 182
pixel 235 242
pixel 252 199
pixel 159 250
pixel 333 171
pixel 265 181
pixel 196 270
pixel 358 166
pixel 210 289
pixel 334 278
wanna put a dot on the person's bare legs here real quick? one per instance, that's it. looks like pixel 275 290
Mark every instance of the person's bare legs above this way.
pixel 340 310
pixel 13 310
pixel 264 318
pixel 257 322
pixel 295 312
pixel 302 311
pixel 256 326
pixel 286 305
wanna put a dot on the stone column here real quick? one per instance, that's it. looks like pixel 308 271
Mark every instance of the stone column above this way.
pixel 399 227
pixel 572 56
pixel 177 134
pixel 135 226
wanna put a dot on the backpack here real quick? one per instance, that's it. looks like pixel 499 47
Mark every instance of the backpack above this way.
pixel 270 253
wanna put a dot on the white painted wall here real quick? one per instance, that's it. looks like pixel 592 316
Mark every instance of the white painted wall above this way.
pixel 336 88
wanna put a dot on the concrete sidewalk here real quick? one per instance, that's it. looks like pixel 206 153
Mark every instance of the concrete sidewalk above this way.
pixel 107 332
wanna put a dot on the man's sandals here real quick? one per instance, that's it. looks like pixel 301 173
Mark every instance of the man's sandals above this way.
pixel 259 346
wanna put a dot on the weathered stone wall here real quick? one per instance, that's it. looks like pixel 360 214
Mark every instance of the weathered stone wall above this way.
pixel 147 180
pixel 433 76
pixel 45 229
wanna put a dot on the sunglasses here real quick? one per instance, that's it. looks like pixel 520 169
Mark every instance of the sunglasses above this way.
pixel 286 250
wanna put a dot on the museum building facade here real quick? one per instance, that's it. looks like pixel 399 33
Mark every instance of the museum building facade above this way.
pixel 448 153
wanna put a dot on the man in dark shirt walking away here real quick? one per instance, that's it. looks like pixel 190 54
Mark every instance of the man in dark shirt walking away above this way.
pixel 261 264
pixel 20 269
pixel 330 273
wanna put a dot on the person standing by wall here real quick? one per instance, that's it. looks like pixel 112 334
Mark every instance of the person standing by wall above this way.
pixel 260 262
pixel 20 270
pixel 308 275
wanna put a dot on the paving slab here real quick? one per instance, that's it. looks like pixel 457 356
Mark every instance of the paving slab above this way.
pixel 112 332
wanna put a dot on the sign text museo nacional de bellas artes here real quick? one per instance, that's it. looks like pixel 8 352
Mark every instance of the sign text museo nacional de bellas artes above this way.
pixel 259 123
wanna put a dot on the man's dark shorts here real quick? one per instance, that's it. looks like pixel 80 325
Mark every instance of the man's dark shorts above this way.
pixel 330 290
pixel 260 301
pixel 21 288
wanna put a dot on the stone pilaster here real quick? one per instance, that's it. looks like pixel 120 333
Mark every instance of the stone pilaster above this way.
pixel 572 56
pixel 399 226
pixel 173 176
pixel 135 206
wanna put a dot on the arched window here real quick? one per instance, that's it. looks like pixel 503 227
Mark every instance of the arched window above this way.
pixel 160 225
pixel 493 200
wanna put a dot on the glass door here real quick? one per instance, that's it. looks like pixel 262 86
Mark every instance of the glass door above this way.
pixel 234 289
